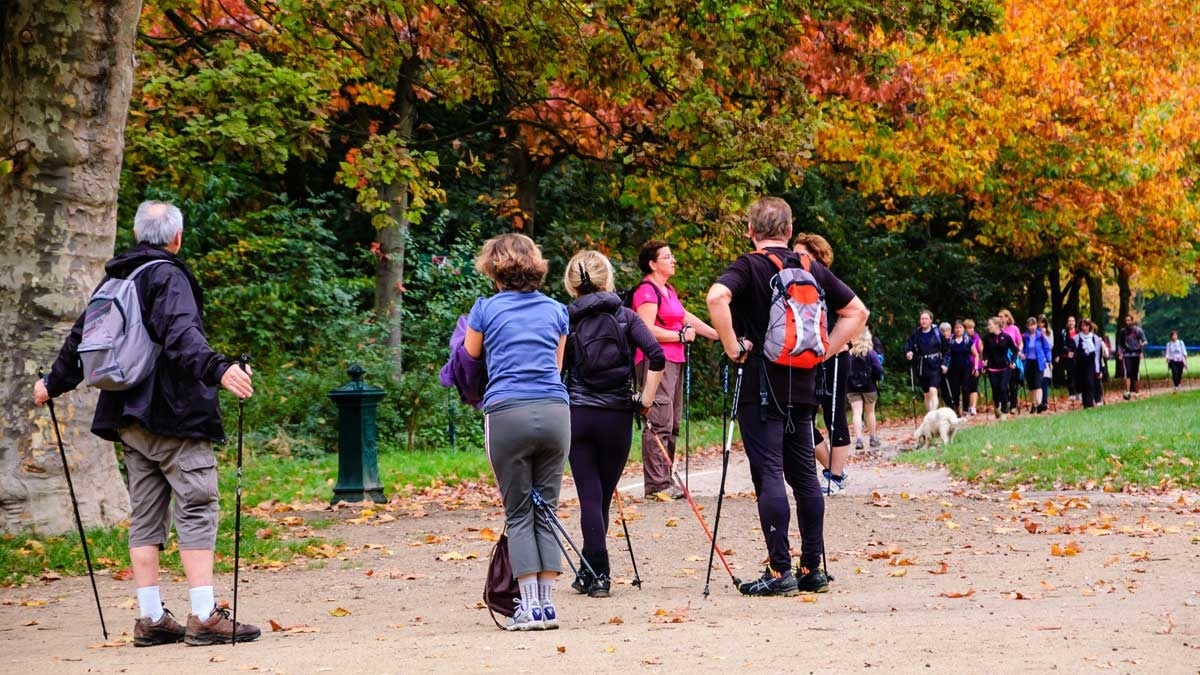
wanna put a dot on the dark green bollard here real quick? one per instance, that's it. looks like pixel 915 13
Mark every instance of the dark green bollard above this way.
pixel 358 460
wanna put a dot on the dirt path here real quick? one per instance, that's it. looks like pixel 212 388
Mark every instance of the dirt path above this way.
pixel 931 576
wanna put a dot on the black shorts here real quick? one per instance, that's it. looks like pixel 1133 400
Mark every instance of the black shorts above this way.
pixel 1033 376
pixel 931 378
pixel 1133 364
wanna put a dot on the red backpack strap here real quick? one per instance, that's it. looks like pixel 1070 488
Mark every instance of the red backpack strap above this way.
pixel 770 256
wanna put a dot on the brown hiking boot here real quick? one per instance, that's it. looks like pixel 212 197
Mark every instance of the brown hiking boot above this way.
pixel 217 629
pixel 165 631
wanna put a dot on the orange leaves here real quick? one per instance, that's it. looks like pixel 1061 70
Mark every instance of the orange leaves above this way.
pixel 1068 550
pixel 956 594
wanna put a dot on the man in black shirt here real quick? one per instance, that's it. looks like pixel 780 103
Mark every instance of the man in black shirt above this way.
pixel 1130 341
pixel 776 406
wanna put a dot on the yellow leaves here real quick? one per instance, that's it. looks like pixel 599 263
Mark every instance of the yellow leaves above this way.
pixel 339 612
pixel 488 534
pixel 900 572
pixel 455 555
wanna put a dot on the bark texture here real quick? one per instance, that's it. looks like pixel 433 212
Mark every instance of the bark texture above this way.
pixel 66 69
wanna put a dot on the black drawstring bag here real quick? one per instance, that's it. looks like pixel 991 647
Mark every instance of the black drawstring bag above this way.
pixel 500 590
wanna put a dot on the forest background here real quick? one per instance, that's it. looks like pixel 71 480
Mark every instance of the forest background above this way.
pixel 339 162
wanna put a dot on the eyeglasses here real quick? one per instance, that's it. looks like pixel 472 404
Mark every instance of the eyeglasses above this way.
pixel 665 258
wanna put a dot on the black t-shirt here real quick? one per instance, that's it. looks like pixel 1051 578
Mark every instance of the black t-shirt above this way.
pixel 749 279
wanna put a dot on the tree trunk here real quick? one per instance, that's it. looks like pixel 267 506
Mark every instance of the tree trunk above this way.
pixel 66 72
pixel 389 273
pixel 1124 296
pixel 1071 305
pixel 1095 287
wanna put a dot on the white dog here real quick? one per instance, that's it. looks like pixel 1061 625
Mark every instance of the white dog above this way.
pixel 942 422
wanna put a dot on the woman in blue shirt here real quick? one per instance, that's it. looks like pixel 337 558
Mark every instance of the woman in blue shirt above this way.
pixel 1035 350
pixel 527 424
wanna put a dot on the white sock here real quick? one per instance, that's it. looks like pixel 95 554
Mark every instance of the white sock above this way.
pixel 150 603
pixel 529 592
pixel 202 601
pixel 546 592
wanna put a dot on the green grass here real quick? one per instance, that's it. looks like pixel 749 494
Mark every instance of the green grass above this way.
pixel 1151 442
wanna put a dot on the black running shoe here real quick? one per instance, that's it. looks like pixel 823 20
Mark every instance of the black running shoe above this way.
pixel 814 581
pixel 771 583
pixel 583 580
pixel 601 586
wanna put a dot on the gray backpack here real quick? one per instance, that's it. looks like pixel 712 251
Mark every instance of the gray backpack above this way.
pixel 116 351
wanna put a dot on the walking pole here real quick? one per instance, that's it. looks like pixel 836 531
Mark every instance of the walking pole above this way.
pixel 637 580
pixel 87 556
pixel 687 494
pixel 552 520
pixel 687 404
pixel 912 390
pixel 737 389
pixel 237 515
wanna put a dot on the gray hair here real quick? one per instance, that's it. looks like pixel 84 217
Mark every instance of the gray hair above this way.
pixel 157 222
pixel 944 326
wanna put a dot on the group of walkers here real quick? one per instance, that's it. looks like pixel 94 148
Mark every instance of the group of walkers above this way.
pixel 565 384
pixel 534 422
pixel 951 360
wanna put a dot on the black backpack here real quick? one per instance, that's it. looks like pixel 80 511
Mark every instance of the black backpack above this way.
pixel 601 357
pixel 859 378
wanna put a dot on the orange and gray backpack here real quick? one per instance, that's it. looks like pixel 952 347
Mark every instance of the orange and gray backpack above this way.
pixel 797 332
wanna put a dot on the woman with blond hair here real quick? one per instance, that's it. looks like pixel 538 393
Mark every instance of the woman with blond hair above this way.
pixel 599 375
pixel 862 391
pixel 522 335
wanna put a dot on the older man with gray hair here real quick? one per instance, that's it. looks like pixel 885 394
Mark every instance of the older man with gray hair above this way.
pixel 167 423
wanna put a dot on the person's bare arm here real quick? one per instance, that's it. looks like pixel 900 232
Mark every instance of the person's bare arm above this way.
pixel 719 297
pixel 562 350
pixel 851 320
pixel 473 343
pixel 699 327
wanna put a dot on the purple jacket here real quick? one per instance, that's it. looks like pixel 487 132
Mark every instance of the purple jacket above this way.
pixel 463 372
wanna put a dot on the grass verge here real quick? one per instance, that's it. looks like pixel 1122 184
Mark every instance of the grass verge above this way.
pixel 1154 442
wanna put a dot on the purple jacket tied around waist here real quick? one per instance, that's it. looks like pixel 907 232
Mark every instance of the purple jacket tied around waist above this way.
pixel 463 372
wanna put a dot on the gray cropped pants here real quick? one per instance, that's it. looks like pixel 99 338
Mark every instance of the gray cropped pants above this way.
pixel 527 444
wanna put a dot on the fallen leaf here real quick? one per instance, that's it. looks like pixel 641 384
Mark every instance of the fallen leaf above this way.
pixel 275 626
pixel 898 572
pixel 455 555
pixel 339 612
pixel 51 576
pixel 1047 627
pixel 955 594
pixel 1170 625
pixel 808 598
pixel 1070 549
pixel 488 534
pixel 562 649
pixel 216 658
pixel 123 574
pixel 33 603
pixel 942 568
pixel 671 522
pixel 616 620
pixel 130 603
pixel 302 628
pixel 1048 586
pixel 31 622
pixel 653 660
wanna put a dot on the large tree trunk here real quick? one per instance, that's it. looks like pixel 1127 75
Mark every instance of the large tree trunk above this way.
pixel 1124 295
pixel 66 69
pixel 389 273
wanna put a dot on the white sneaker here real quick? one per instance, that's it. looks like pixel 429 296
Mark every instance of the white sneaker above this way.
pixel 549 617
pixel 526 618
pixel 833 485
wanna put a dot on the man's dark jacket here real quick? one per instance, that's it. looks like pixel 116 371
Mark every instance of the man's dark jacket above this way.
pixel 180 396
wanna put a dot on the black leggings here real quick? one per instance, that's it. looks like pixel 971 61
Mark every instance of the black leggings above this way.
pixel 1000 396
pixel 1176 372
pixel 959 375
pixel 599 448
pixel 780 453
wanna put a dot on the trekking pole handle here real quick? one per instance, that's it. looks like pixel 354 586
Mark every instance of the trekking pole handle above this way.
pixel 243 360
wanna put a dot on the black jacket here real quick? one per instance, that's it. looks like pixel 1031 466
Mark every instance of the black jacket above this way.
pixel 180 396
pixel 581 394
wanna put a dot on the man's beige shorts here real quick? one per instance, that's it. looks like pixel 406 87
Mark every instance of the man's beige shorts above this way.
pixel 868 397
pixel 159 467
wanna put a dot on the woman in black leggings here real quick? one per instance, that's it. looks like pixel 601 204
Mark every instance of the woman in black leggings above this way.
pixel 599 367
pixel 999 354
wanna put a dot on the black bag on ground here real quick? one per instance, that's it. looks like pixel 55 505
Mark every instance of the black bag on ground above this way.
pixel 500 590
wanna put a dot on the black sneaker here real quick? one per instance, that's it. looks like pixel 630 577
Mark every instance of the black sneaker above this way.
pixel 600 587
pixel 813 581
pixel 583 580
pixel 771 583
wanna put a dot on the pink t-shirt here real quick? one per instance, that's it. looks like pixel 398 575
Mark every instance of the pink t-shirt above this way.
pixel 1014 333
pixel 670 316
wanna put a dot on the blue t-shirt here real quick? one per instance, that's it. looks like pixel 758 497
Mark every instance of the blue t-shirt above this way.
pixel 520 344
